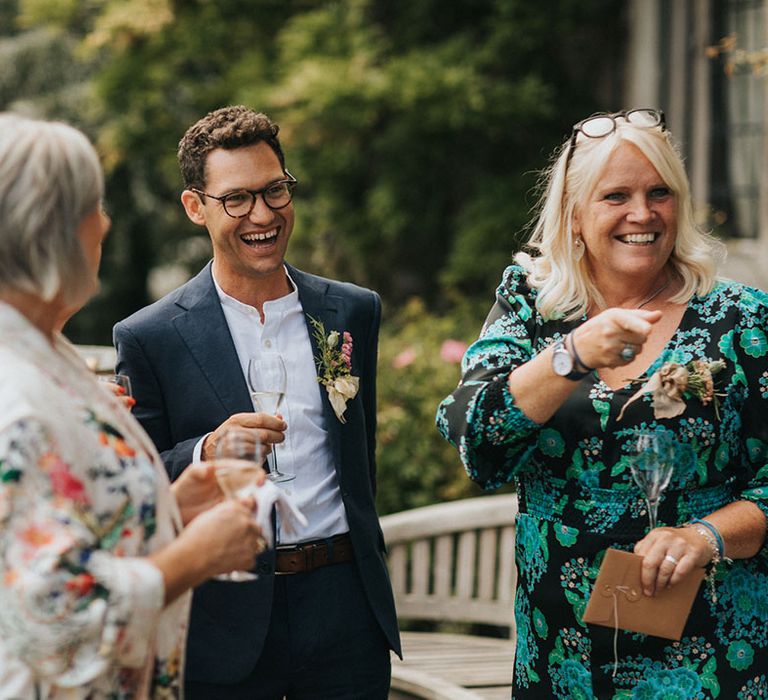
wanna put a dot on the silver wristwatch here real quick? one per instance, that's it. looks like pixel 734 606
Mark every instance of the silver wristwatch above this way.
pixel 564 364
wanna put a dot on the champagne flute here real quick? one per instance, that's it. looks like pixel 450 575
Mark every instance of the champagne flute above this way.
pixel 652 467
pixel 239 456
pixel 121 380
pixel 266 382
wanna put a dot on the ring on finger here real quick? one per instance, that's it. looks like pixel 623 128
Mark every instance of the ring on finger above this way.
pixel 672 559
pixel 628 352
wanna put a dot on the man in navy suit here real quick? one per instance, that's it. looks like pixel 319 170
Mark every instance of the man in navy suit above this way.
pixel 319 621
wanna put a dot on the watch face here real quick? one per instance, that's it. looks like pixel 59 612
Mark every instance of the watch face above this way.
pixel 562 364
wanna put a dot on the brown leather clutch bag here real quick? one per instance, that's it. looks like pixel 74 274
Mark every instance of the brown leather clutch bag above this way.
pixel 617 599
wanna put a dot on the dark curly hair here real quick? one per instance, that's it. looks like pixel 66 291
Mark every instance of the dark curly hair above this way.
pixel 227 127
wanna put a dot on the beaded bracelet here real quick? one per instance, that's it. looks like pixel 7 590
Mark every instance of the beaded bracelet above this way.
pixel 711 535
pixel 707 535
pixel 714 531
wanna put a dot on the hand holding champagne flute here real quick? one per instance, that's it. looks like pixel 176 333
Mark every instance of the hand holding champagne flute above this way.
pixel 239 456
pixel 266 382
pixel 652 467
pixel 120 385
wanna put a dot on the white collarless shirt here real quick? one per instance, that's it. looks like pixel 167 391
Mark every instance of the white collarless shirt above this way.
pixel 306 451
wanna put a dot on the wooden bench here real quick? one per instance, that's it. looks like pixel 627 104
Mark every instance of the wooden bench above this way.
pixel 454 562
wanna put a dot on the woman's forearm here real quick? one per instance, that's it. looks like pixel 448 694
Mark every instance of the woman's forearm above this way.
pixel 537 390
pixel 182 568
pixel 223 538
pixel 742 525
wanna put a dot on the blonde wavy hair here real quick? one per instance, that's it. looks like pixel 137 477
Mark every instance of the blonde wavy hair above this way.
pixel 565 288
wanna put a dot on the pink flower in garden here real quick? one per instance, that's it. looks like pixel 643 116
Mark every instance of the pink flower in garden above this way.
pixel 452 351
pixel 404 358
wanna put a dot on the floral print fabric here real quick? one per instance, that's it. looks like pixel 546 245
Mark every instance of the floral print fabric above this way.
pixel 83 501
pixel 577 498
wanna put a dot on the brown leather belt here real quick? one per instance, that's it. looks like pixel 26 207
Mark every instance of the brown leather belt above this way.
pixel 308 556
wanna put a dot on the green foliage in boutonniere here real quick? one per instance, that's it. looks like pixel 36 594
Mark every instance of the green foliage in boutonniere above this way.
pixel 672 382
pixel 334 366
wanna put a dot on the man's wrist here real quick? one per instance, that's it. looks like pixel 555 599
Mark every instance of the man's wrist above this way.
pixel 199 454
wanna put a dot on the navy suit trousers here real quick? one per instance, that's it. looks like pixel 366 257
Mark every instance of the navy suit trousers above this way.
pixel 323 643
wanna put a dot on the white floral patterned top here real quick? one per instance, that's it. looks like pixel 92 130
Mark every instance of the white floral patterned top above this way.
pixel 83 499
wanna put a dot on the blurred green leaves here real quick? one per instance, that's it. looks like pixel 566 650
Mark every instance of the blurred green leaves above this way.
pixel 418 366
pixel 415 128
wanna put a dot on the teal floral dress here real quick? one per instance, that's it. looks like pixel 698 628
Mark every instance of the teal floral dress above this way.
pixel 577 498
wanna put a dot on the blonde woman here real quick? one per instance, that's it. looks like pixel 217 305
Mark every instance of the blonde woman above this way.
pixel 620 285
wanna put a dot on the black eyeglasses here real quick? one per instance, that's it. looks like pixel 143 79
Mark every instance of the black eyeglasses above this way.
pixel 240 203
pixel 600 125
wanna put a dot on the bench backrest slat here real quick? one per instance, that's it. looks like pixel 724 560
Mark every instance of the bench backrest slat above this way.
pixel 455 561
pixel 507 568
pixel 420 567
pixel 486 583
pixel 465 564
pixel 443 568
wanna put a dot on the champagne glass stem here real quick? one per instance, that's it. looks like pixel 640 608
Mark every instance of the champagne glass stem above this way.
pixel 653 511
pixel 266 376
pixel 276 474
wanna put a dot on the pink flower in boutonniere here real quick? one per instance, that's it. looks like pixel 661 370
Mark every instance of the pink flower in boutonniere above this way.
pixel 334 366
pixel 672 382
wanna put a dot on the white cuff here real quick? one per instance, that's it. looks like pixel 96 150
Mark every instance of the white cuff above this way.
pixel 197 453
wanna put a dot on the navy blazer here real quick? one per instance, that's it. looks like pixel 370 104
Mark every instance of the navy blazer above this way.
pixel 187 380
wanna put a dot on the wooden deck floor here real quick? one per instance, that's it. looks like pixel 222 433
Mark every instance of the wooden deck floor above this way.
pixel 459 667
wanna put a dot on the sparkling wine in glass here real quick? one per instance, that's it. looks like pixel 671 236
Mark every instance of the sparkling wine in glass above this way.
pixel 239 459
pixel 266 382
pixel 121 380
pixel 652 467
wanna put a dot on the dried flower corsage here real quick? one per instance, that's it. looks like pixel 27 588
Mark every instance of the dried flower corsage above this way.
pixel 334 366
pixel 672 381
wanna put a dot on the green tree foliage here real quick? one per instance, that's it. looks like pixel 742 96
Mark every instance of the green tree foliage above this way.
pixel 418 367
pixel 415 128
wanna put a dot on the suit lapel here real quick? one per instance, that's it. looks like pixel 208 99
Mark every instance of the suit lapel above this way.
pixel 322 306
pixel 205 332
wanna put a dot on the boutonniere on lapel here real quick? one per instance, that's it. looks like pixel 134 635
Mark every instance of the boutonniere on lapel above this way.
pixel 334 366
pixel 672 382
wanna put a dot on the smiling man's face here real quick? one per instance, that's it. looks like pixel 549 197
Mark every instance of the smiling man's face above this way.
pixel 250 249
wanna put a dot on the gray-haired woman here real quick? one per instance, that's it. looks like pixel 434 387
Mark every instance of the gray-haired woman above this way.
pixel 622 285
pixel 97 550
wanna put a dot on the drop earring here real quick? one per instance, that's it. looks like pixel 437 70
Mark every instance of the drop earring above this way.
pixel 578 249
